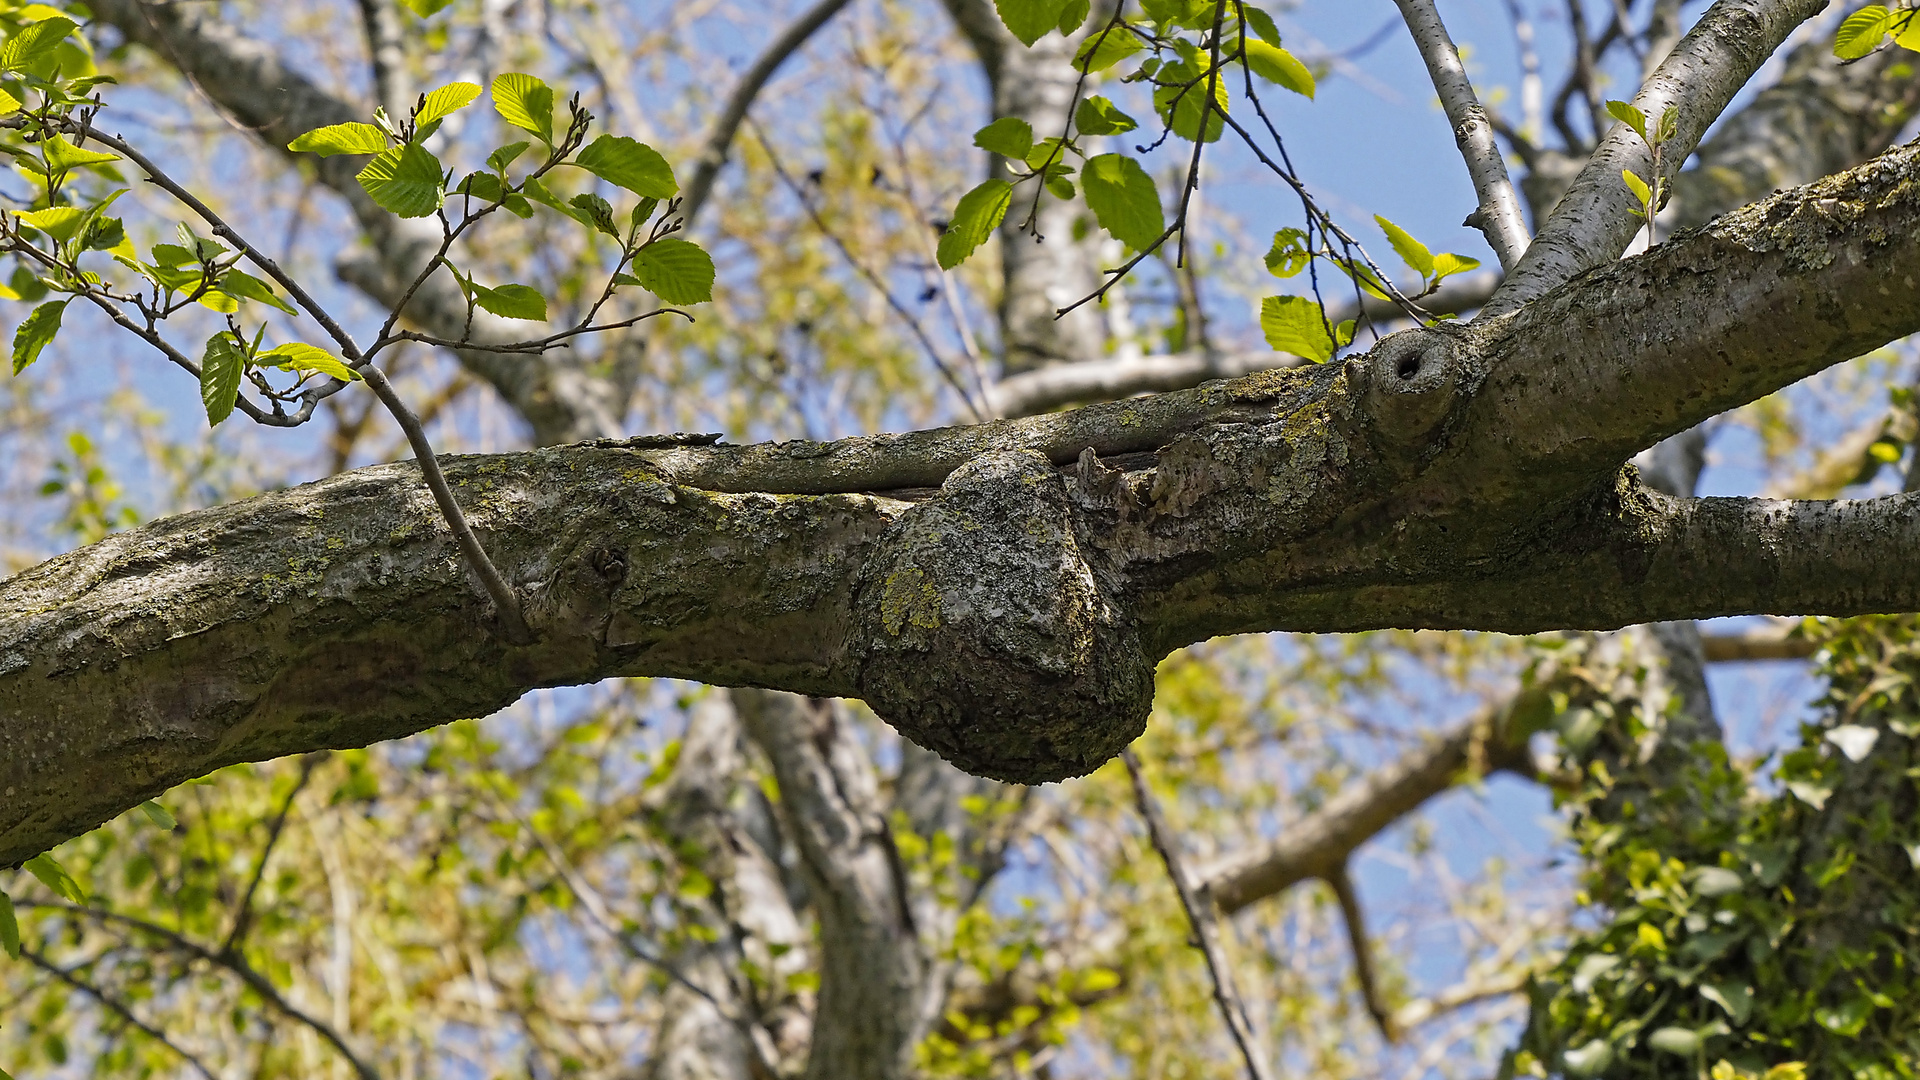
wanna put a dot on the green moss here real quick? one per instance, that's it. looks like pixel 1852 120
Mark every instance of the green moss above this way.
pixel 909 599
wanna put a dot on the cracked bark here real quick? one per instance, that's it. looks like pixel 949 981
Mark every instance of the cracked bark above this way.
pixel 1466 479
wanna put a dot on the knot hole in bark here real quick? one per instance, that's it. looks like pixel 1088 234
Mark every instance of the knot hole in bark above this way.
pixel 610 564
pixel 1411 381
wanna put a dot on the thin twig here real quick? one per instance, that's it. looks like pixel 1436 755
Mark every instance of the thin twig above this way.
pixel 533 346
pixel 244 915
pixel 1203 918
pixel 1363 969
pixel 116 1007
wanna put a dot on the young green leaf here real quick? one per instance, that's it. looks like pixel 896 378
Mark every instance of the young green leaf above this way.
pixel 34 41
pixel 506 155
pixel 1180 100
pixel 1073 16
pixel 35 333
pixel 526 103
pixel 9 928
pixel 59 222
pixel 1630 116
pixel 1261 23
pixel 512 302
pixel 642 213
pixel 55 877
pixel 1098 116
pixel 974 219
pixel 239 283
pixel 1009 136
pixel 1861 32
pixel 1669 125
pixel 159 816
pixel 1124 199
pixel 633 165
pixel 352 138
pixel 677 271
pixel 1411 251
pixel 1105 48
pixel 1447 265
pixel 484 186
pixel 424 8
pixel 404 179
pixel 300 356
pixel 596 210
pixel 1295 324
pixel 220 371
pixel 62 155
pixel 1638 187
pixel 445 101
pixel 1288 255
pixel 1280 67
pixel 1029 20
pixel 539 192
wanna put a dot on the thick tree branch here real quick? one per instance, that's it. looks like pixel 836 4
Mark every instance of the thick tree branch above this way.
pixel 1498 215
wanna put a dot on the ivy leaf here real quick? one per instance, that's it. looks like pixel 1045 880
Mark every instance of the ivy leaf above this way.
pixel 1124 199
pixel 505 156
pixel 1106 48
pixel 1295 324
pixel 424 8
pixel 220 371
pixel 34 41
pixel 35 333
pixel 677 271
pixel 159 816
pixel 241 284
pixel 1009 136
pixel 300 356
pixel 1861 32
pixel 406 180
pixel 1029 20
pixel 1098 116
pixel 526 103
pixel 1280 67
pixel 1411 251
pixel 353 138
pixel 979 213
pixel 512 302
pixel 55 877
pixel 1630 116
pixel 446 100
pixel 630 164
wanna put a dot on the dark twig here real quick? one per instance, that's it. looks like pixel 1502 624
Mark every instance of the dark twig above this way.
pixel 1202 916
pixel 244 915
pixel 117 1007
pixel 1363 969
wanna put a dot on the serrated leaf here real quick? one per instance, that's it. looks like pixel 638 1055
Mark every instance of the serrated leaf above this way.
pixel 36 331
pixel 1180 99
pixel 1288 255
pixel 1295 324
pixel 539 192
pixel 351 138
pixel 1124 199
pixel 1029 20
pixel 31 43
pixel 1262 24
pixel 506 155
pixel 445 101
pixel 62 155
pixel 1669 125
pixel 597 210
pixel 59 222
pixel 526 103
pixel 1861 32
pixel 220 369
pixel 1280 67
pixel 512 302
pixel 55 877
pixel 1411 251
pixel 9 928
pixel 642 213
pixel 1448 264
pixel 1009 136
pixel 1637 186
pixel 159 816
pixel 424 8
pixel 630 164
pixel 1627 114
pixel 1106 48
pixel 677 271
pixel 1098 116
pixel 405 180
pixel 1073 15
pixel 979 212
pixel 484 186
pixel 239 283
pixel 300 356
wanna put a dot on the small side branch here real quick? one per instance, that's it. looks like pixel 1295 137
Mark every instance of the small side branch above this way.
pixel 116 1007
pixel 1202 917
pixel 1363 969
pixel 1498 215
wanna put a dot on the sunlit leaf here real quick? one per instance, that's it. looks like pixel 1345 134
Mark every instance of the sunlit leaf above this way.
pixel 1627 114
pixel 245 286
pixel 1098 116
pixel 36 331
pixel 159 815
pixel 351 138
pixel 424 8
pixel 633 165
pixel 220 369
pixel 1009 136
pixel 1279 67
pixel 445 101
pixel 1124 199
pixel 55 877
pixel 1106 47
pixel 677 271
pixel 1261 23
pixel 1861 32
pixel 300 356
pixel 512 302
pixel 1288 255
pixel 1411 251
pixel 31 43
pixel 59 222
pixel 979 213
pixel 1029 20
pixel 405 179
pixel 526 103
pixel 1295 324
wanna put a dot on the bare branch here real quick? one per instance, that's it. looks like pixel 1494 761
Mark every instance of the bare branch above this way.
pixel 1363 970
pixel 118 1008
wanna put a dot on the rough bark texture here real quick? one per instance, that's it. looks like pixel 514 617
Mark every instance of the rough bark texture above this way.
pixel 1458 479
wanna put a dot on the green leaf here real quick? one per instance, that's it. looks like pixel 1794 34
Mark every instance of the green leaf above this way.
pixel 1098 116
pixel 445 101
pixel 1073 16
pixel 1669 125
pixel 1638 187
pixel 1679 1041
pixel 1009 136
pixel 34 41
pixel 539 192
pixel 1862 32
pixel 1106 48
pixel 1735 998
pixel 526 103
pixel 59 222
pixel 1630 116
pixel 1124 199
pixel 424 8
pixel 676 271
pixel 1262 24
pixel 62 155
pixel 1280 67
pixel 1905 34
pixel 1295 324
pixel 633 165
pixel 1180 101
pixel 405 179
pixel 1288 255
pixel 220 371
pixel 9 928
pixel 354 138
pixel 1448 264
pixel 1411 251
pixel 239 283
pixel 979 213
pixel 512 302
pixel 300 356
pixel 642 213
pixel 55 877
pixel 35 333
pixel 1588 1060
pixel 1029 20
pixel 158 815
pixel 484 186
pixel 506 155
pixel 598 211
